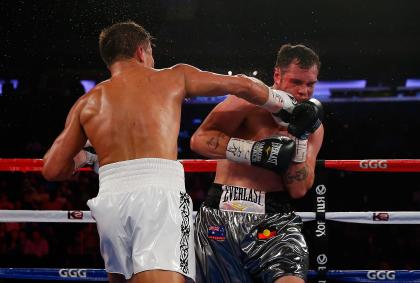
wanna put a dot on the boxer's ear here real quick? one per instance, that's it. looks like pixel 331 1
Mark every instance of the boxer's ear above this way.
pixel 139 54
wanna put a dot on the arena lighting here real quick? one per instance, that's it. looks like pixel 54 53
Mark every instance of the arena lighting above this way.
pixel 230 73
pixel 184 134
pixel 254 73
pixel 88 84
pixel 411 89
pixel 15 84
pixel 205 100
pixel 412 83
pixel 323 88
pixel 196 121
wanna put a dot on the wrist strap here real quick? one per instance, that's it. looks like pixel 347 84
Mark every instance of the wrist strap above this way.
pixel 278 100
pixel 239 150
pixel 301 150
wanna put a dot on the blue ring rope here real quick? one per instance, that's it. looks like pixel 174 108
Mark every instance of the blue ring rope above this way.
pixel 88 274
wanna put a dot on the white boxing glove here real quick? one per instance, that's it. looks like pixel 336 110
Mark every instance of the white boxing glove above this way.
pixel 83 158
pixel 95 165
pixel 281 105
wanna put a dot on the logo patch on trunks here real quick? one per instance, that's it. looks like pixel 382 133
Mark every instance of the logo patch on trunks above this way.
pixel 216 233
pixel 265 233
pixel 242 200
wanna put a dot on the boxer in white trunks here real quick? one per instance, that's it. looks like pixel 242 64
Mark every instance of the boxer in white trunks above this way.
pixel 142 211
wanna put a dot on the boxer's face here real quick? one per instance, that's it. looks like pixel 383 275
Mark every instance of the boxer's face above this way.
pixel 296 81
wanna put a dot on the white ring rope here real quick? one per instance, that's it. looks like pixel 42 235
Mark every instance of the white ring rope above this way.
pixel 77 216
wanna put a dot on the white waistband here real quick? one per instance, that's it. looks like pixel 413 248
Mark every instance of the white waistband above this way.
pixel 129 175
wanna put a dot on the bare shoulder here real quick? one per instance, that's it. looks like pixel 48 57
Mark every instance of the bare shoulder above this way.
pixel 90 103
pixel 175 72
pixel 94 93
pixel 182 67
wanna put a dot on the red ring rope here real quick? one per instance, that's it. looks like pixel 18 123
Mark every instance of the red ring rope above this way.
pixel 373 165
pixel 198 165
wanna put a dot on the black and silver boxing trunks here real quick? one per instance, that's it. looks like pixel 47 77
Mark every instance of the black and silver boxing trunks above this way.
pixel 246 235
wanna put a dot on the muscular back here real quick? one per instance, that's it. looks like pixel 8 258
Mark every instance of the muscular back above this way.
pixel 135 114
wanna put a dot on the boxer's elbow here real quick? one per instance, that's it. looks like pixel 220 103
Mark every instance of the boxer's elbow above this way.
pixel 297 193
pixel 195 143
pixel 55 173
pixel 199 144
pixel 49 174
pixel 299 190
pixel 209 143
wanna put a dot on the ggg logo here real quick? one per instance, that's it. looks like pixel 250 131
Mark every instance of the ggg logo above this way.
pixel 381 275
pixel 72 273
pixel 373 164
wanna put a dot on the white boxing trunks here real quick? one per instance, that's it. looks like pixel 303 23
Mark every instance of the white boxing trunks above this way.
pixel 144 217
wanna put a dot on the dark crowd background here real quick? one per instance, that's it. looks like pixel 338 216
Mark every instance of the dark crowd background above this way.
pixel 49 46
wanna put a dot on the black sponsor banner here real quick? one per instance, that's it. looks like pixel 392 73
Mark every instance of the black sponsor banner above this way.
pixel 319 250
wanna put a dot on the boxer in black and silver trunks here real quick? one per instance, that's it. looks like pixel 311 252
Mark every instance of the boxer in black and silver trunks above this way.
pixel 142 212
pixel 246 230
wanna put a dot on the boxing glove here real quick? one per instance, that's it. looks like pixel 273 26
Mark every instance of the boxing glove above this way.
pixel 305 119
pixel 89 148
pixel 274 153
pixel 83 158
pixel 280 103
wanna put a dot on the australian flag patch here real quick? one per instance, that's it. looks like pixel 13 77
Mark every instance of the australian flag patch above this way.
pixel 216 233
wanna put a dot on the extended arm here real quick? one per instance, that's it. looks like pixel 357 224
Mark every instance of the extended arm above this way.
pixel 202 83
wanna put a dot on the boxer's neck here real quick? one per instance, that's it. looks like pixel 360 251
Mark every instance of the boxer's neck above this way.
pixel 124 65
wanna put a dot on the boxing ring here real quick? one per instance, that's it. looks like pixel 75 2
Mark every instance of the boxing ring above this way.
pixel 320 216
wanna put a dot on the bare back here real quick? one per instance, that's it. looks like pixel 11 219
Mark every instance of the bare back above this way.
pixel 135 114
